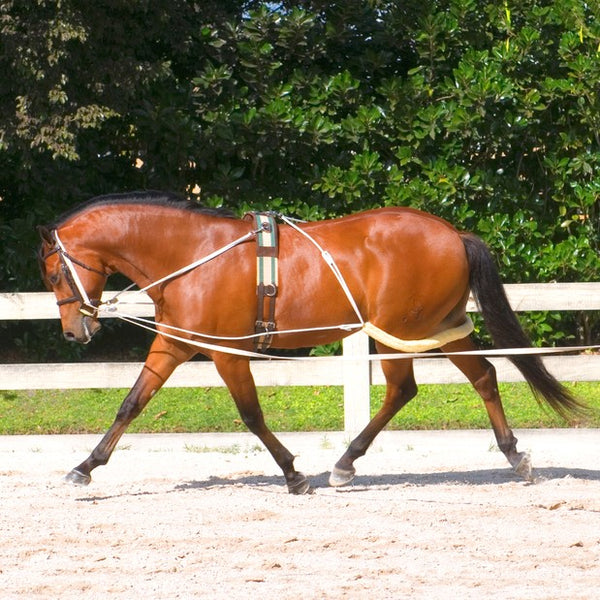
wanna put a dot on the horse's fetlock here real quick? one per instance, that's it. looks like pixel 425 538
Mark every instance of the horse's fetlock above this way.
pixel 356 449
pixel 508 446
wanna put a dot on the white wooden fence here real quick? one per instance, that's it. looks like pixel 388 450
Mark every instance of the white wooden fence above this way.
pixel 353 372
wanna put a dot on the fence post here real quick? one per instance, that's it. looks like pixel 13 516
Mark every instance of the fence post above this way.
pixel 357 383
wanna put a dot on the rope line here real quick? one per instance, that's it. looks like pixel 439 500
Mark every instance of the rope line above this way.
pixel 493 352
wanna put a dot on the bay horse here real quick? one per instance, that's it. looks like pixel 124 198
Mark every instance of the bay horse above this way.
pixel 407 272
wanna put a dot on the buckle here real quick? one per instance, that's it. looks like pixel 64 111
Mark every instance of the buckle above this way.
pixel 89 310
pixel 264 326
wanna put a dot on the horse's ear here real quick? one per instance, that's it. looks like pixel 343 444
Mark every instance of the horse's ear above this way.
pixel 45 234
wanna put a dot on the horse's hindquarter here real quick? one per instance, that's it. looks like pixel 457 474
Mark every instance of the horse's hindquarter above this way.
pixel 407 272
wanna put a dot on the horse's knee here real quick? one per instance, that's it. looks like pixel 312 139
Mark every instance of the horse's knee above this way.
pixel 253 420
pixel 487 384
pixel 409 390
pixel 129 409
pixel 402 396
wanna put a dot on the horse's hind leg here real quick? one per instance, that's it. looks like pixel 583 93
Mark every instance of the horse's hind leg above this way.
pixel 160 363
pixel 400 388
pixel 236 374
pixel 482 375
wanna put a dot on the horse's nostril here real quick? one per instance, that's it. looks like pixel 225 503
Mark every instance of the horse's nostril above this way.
pixel 69 336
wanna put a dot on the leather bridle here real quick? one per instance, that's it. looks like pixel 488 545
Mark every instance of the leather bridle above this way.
pixel 88 306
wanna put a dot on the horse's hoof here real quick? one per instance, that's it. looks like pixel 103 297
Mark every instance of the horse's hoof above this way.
pixel 340 477
pixel 76 477
pixel 299 485
pixel 523 468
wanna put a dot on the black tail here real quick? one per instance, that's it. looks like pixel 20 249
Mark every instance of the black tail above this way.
pixel 506 331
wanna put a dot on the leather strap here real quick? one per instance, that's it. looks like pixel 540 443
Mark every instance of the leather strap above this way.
pixel 267 251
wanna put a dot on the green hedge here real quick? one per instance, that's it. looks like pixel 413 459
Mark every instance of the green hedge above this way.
pixel 486 114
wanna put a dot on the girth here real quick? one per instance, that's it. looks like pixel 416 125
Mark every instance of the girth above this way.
pixel 267 251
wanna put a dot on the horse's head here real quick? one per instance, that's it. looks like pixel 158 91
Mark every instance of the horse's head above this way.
pixel 77 278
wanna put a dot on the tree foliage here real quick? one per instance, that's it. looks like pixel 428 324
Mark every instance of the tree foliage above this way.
pixel 486 114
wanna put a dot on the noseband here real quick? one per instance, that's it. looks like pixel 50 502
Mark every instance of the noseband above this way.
pixel 88 307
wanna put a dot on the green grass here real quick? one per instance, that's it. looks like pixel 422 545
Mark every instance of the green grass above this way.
pixel 286 409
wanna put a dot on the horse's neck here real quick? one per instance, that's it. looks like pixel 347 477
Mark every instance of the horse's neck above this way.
pixel 147 251
pixel 148 246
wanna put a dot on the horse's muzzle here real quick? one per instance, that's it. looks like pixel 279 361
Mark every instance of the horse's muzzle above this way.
pixel 84 332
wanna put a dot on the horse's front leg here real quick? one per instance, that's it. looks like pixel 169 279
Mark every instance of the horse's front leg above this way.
pixel 236 374
pixel 160 363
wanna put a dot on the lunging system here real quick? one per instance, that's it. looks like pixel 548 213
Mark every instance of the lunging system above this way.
pixel 401 275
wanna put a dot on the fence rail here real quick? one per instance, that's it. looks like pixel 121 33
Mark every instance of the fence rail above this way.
pixel 354 373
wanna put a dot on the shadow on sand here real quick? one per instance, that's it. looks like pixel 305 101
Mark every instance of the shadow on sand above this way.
pixel 475 477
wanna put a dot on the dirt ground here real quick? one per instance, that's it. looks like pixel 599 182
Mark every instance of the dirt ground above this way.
pixel 430 515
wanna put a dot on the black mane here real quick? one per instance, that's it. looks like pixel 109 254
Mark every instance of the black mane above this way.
pixel 148 198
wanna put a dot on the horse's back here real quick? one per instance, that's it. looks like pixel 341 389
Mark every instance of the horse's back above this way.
pixel 406 269
pixel 419 240
pixel 385 216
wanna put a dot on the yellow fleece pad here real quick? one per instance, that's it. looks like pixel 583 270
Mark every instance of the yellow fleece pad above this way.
pixel 442 338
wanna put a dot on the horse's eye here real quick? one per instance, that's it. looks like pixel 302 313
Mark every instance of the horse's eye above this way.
pixel 54 279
